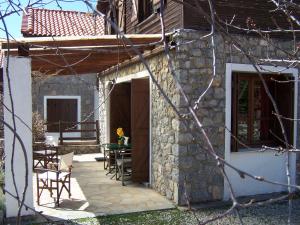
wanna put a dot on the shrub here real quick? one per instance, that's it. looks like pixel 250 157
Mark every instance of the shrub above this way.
pixel 38 129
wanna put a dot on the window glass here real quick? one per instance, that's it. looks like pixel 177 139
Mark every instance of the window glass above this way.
pixel 257 108
pixel 145 9
pixel 243 105
pixel 253 121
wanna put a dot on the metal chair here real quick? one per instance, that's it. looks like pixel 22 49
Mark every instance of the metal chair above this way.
pixel 123 164
pixel 59 174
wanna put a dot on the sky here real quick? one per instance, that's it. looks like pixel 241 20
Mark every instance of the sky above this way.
pixel 13 22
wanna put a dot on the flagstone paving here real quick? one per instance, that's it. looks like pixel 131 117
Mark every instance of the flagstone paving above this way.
pixel 94 194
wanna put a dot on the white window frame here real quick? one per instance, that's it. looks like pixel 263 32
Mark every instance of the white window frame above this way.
pixel 230 157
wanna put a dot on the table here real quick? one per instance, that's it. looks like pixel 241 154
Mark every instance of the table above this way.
pixel 111 151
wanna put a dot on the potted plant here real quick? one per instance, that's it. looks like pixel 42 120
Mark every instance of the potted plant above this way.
pixel 120 134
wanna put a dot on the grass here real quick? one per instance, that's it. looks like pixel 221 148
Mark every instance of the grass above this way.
pixel 269 215
pixel 173 216
pixel 154 217
pixel 2 203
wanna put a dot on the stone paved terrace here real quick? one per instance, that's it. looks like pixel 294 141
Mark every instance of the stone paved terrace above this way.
pixel 94 194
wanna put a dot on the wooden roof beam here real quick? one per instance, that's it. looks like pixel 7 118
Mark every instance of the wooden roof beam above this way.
pixel 82 50
pixel 136 39
pixel 66 71
pixel 78 60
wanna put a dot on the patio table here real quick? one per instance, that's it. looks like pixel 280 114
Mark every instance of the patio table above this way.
pixel 111 151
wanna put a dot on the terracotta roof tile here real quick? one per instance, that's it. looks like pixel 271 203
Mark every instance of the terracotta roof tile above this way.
pixel 46 22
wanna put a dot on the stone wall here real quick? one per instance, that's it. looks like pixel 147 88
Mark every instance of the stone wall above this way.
pixel 194 67
pixel 164 154
pixel 164 125
pixel 101 110
pixel 69 85
pixel 199 177
pixel 180 166
pixel 78 149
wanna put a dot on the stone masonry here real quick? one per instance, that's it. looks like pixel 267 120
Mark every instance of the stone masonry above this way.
pixel 180 166
pixel 78 149
pixel 69 85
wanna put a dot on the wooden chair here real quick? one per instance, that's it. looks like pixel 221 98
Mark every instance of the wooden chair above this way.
pixel 109 159
pixel 43 154
pixel 105 155
pixel 59 174
pixel 123 164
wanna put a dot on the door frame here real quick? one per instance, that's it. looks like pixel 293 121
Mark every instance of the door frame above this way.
pixel 76 97
pixel 128 78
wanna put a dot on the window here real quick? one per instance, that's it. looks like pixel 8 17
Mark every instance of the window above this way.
pixel 156 5
pixel 114 18
pixel 145 9
pixel 60 110
pixel 253 121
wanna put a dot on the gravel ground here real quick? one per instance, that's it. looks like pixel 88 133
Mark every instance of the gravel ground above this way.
pixel 272 214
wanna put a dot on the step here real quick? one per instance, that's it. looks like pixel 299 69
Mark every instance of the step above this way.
pixel 82 142
pixel 78 149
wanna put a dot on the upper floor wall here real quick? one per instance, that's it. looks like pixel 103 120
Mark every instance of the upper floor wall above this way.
pixel 142 16
pixel 255 14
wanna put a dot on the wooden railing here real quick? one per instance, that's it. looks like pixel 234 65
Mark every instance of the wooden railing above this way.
pixel 72 127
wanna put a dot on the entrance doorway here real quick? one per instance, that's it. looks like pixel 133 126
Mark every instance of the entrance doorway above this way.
pixel 129 109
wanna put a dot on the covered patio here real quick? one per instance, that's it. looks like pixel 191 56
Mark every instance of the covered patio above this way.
pixel 81 55
pixel 95 194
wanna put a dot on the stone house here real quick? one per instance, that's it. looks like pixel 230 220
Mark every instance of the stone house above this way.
pixel 69 97
pixel 167 155
pixel 171 156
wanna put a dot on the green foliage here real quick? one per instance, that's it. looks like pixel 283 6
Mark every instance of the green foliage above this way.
pixel 173 217
pixel 268 215
pixel 38 130
pixel 1 177
pixel 2 201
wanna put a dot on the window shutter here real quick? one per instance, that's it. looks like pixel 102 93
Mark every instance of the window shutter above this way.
pixel 121 16
pixel 134 10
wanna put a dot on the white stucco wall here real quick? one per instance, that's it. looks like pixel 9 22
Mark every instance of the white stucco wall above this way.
pixel 265 164
pixel 20 79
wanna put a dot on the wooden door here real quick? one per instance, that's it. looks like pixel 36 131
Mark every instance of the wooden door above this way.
pixel 140 129
pixel 284 98
pixel 61 110
pixel 120 111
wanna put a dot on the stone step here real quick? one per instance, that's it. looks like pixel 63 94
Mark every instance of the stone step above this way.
pixel 78 149
pixel 83 142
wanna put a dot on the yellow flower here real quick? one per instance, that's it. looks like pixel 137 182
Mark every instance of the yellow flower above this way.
pixel 120 132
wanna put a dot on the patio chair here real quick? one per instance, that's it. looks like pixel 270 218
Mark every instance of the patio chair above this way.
pixel 59 174
pixel 123 164
pixel 43 154
pixel 109 159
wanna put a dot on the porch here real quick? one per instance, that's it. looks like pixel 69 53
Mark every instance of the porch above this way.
pixel 94 194
pixel 103 52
